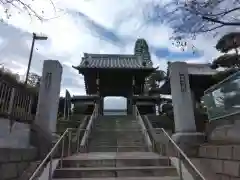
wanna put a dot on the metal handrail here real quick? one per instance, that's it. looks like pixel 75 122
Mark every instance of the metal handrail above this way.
pixel 68 132
pixel 143 127
pixel 49 155
pixel 84 141
pixel 180 151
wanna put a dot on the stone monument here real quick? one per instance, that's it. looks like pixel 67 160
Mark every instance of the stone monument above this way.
pixel 46 117
pixel 185 128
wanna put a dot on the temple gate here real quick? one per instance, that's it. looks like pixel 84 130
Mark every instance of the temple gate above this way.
pixel 116 74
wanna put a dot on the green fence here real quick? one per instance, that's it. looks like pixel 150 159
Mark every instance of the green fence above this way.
pixel 223 99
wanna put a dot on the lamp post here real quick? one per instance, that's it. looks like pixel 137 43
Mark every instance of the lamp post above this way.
pixel 35 37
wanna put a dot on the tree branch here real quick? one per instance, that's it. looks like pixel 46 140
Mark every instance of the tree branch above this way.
pixel 221 22
pixel 211 29
pixel 225 12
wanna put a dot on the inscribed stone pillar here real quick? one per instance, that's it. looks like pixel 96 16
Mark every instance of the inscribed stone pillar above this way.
pixel 48 99
pixel 185 128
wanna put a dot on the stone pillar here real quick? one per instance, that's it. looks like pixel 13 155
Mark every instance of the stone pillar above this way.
pixel 101 105
pixel 47 109
pixel 193 99
pixel 185 128
pixel 130 98
pixel 129 105
pixel 48 99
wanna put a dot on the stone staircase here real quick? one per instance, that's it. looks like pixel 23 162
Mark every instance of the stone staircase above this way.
pixel 120 166
pixel 117 150
pixel 117 134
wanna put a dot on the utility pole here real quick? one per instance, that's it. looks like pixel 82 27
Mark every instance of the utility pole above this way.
pixel 34 38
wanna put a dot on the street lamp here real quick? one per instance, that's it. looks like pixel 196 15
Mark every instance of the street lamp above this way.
pixel 35 37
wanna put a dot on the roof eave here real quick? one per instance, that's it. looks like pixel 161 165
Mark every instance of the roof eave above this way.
pixel 80 69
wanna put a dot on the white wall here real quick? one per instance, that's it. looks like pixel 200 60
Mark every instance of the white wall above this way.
pixel 19 136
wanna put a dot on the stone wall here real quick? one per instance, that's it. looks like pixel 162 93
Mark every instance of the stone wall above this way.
pixel 223 159
pixel 13 161
pixel 17 138
pixel 224 130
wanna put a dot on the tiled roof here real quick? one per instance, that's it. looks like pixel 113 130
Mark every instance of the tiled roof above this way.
pixel 112 61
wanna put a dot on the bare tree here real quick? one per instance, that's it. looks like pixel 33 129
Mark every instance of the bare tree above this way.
pixel 189 18
pixel 24 6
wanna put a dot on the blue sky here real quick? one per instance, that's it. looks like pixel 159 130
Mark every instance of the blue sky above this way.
pixel 91 26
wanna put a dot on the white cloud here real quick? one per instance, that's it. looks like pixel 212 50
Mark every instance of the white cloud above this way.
pixel 72 34
pixel 159 62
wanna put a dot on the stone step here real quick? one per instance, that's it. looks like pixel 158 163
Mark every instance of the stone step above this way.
pixel 117 122
pixel 99 142
pixel 116 135
pixel 114 126
pixel 116 138
pixel 125 144
pixel 117 148
pixel 141 171
pixel 161 161
pixel 124 178
pixel 118 130
pixel 117 117
pixel 130 143
pixel 132 155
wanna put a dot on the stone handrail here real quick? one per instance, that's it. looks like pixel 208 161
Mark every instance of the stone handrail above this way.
pixel 143 127
pixel 149 127
pixel 82 126
pixel 84 141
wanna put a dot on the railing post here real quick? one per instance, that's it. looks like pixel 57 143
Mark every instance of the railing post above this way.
pixel 48 160
pixel 78 139
pixel 30 105
pixel 61 162
pixel 180 166
pixel 10 106
pixel 69 142
pixel 50 168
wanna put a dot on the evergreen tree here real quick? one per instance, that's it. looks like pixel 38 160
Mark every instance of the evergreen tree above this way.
pixel 141 49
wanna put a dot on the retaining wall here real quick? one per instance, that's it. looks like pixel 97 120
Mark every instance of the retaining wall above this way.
pixel 14 161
